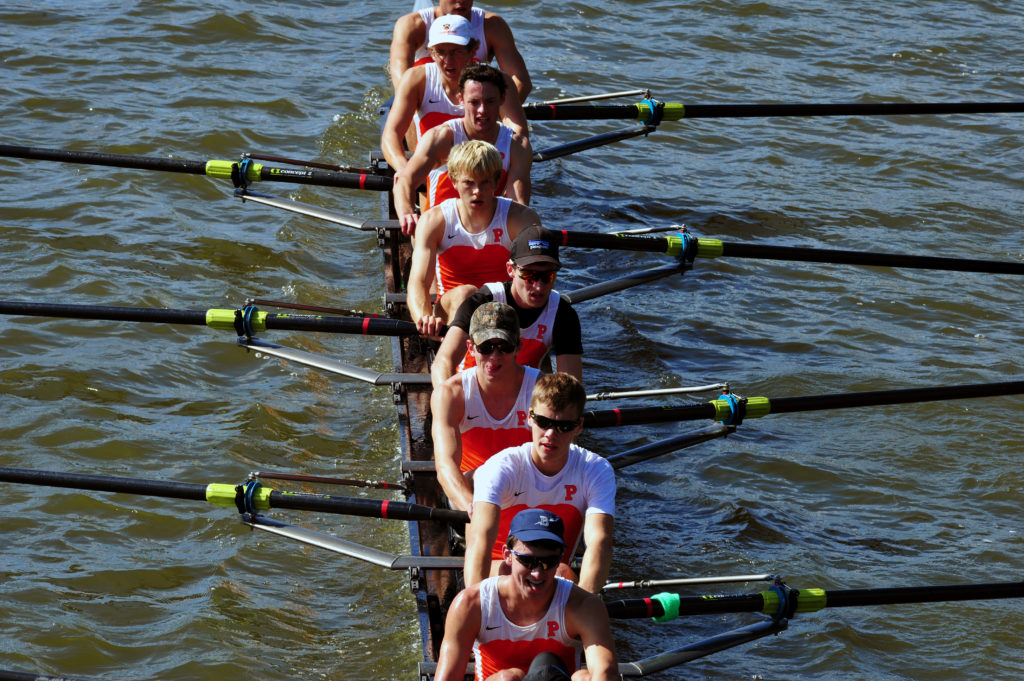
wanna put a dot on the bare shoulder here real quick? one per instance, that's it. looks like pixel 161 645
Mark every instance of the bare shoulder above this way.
pixel 430 227
pixel 449 396
pixel 409 24
pixel 523 216
pixel 583 611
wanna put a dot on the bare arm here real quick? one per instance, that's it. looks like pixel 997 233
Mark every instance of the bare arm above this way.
pixel 597 558
pixel 449 355
pixel 448 406
pixel 480 537
pixel 517 186
pixel 410 32
pixel 587 619
pixel 499 38
pixel 432 150
pixel 460 630
pixel 511 111
pixel 421 272
pixel 519 218
pixel 570 364
pixel 408 95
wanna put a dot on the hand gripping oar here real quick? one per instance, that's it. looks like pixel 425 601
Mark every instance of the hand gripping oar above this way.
pixel 782 601
pixel 244 322
pixel 677 246
pixel 241 173
pixel 653 111
pixel 247 498
pixel 731 410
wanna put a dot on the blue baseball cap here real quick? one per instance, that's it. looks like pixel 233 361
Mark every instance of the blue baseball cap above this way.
pixel 536 524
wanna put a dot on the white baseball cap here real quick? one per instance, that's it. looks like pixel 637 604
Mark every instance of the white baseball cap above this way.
pixel 451 28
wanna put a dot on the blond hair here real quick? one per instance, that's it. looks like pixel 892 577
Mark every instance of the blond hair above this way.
pixel 559 391
pixel 474 160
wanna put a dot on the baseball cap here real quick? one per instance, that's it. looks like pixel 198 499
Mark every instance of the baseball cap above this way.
pixel 451 28
pixel 535 245
pixel 494 320
pixel 536 524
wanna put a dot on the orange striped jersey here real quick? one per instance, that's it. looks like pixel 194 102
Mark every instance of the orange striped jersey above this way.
pixel 435 108
pixel 467 258
pixel 501 644
pixel 484 435
pixel 439 185
pixel 535 339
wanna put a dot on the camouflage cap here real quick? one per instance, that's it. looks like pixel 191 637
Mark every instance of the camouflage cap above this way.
pixel 494 320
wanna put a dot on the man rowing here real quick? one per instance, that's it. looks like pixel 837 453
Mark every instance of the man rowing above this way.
pixel 482 89
pixel 482 410
pixel 528 624
pixel 428 94
pixel 464 242
pixel 547 323
pixel 494 39
pixel 548 472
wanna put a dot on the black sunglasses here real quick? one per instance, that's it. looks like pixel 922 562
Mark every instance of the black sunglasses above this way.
pixel 490 346
pixel 544 423
pixel 530 561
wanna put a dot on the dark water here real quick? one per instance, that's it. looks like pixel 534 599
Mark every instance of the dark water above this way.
pixel 119 587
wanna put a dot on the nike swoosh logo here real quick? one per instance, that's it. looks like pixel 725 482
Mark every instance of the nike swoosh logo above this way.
pixel 451 236
pixel 516 494
pixel 470 418
pixel 433 101
pixel 490 628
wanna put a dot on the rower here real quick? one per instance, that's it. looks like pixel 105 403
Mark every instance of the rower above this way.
pixel 548 472
pixel 547 323
pixel 528 621
pixel 428 94
pixel 464 242
pixel 484 409
pixel 482 89
pixel 494 40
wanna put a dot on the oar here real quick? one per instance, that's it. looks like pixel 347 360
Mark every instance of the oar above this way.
pixel 713 248
pixel 652 112
pixel 240 172
pixel 731 410
pixel 248 498
pixel 244 322
pixel 785 602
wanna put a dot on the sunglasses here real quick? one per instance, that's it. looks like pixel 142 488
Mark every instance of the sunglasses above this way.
pixel 532 276
pixel 490 346
pixel 530 562
pixel 544 423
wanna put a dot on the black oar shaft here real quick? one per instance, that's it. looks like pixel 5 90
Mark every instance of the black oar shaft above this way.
pixel 214 168
pixel 617 242
pixel 673 111
pixel 355 325
pixel 370 508
pixel 760 406
pixel 380 326
pixel 874 398
pixel 221 494
pixel 106 483
pixel 106 312
pixel 841 257
pixel 173 165
pixel 923 594
pixel 848 109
